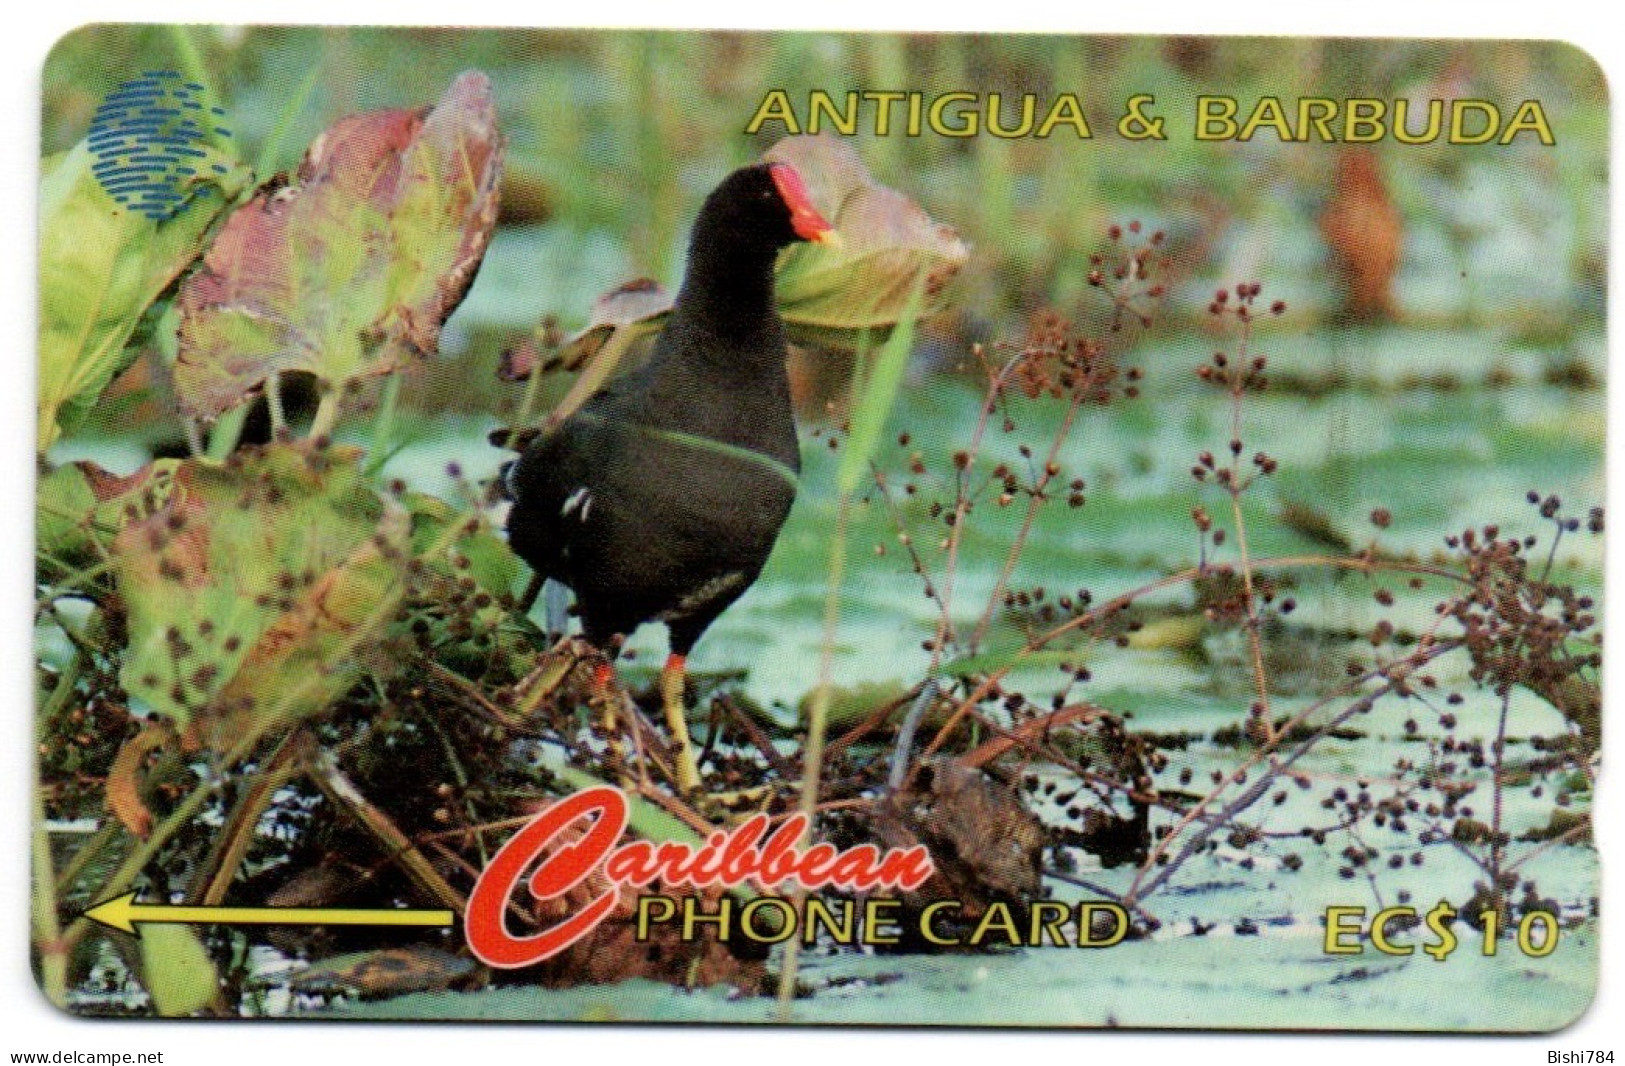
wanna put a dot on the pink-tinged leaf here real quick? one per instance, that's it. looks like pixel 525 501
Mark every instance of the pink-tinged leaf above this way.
pixel 349 269
pixel 638 305
pixel 831 295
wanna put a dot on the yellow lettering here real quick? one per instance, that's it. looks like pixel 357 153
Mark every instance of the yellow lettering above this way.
pixel 1065 111
pixel 694 915
pixel 1215 118
pixel 648 906
pixel 995 116
pixel 1459 110
pixel 1337 929
pixel 998 916
pixel 1379 931
pixel 1362 121
pixel 1267 113
pixel 819 914
pixel 930 912
pixel 781 928
pixel 775 108
pixel 883 102
pixel 1047 917
pixel 1317 111
pixel 967 119
pixel 879 927
pixel 819 104
pixel 1530 118
pixel 1086 924
pixel 1402 128
pixel 1526 934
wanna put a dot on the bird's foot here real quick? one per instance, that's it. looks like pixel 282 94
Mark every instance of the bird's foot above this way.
pixel 672 680
pixel 740 803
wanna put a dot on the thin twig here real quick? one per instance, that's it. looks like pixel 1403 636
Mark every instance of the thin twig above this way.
pixel 1036 498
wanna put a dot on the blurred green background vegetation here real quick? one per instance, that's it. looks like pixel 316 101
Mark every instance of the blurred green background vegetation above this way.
pixel 1478 377
pixel 615 137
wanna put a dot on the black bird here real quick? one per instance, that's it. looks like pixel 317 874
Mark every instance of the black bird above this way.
pixel 660 498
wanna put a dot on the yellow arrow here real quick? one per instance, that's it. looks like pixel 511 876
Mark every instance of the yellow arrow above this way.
pixel 124 912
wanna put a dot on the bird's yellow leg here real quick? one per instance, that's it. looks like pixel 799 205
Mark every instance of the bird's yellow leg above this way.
pixel 606 696
pixel 671 697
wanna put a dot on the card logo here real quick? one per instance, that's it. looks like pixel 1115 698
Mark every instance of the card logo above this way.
pixel 150 137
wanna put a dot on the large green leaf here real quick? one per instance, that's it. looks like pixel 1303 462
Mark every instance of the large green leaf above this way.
pixel 838 295
pixel 350 269
pixel 256 592
pixel 832 294
pixel 102 264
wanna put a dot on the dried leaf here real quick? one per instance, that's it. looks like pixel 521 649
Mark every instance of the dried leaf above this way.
pixel 637 306
pixel 622 318
pixel 385 972
pixel 124 778
pixel 351 269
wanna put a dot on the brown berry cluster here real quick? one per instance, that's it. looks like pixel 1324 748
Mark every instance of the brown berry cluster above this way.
pixel 1128 273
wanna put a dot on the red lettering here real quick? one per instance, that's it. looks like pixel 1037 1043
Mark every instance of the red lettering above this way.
pixel 600 816
pixel 739 859
pixel 778 855
pixel 633 864
pixel 856 868
pixel 907 869
pixel 675 861
pixel 815 864
pixel 708 862
pixel 558 873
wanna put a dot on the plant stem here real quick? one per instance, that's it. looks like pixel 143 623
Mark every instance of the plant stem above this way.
pixel 1266 781
pixel 236 835
pixel 995 390
pixel 54 952
pixel 817 717
pixel 271 147
pixel 1106 609
pixel 224 437
pixel 383 424
pixel 144 853
pixel 1498 779
pixel 1235 487
pixel 273 403
pixel 194 437
pixel 327 415
pixel 905 733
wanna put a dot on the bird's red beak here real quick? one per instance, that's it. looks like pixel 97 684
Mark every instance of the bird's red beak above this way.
pixel 804 217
